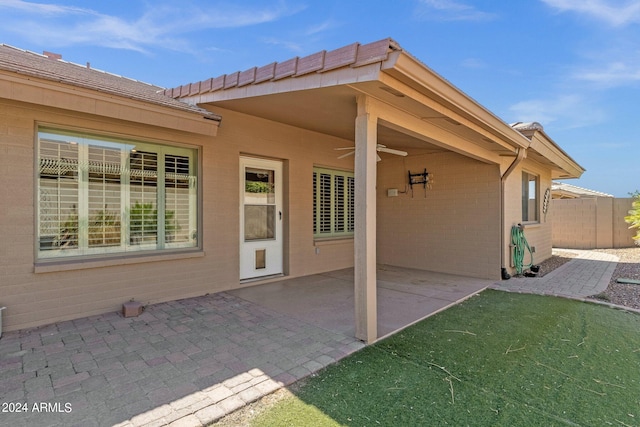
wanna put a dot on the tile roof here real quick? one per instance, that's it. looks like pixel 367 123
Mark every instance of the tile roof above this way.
pixel 52 67
pixel 353 55
pixel 525 126
pixel 574 189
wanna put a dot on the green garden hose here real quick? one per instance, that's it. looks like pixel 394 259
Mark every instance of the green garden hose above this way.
pixel 520 243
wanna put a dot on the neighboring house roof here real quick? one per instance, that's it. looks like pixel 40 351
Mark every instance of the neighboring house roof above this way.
pixel 52 67
pixel 422 112
pixel 561 190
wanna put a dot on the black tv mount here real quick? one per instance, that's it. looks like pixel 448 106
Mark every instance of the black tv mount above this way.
pixel 419 178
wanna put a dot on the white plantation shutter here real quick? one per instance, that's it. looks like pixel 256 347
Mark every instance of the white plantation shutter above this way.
pixel 100 195
pixel 143 198
pixel 105 196
pixel 179 219
pixel 58 194
pixel 333 203
pixel 351 203
pixel 339 207
pixel 324 217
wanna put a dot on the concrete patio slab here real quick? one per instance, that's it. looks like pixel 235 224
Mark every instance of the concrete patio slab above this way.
pixel 192 361
pixel 405 296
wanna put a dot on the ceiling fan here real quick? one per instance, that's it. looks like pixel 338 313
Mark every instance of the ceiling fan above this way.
pixel 379 147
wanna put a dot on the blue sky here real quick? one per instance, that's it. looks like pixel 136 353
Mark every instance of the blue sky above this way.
pixel 572 65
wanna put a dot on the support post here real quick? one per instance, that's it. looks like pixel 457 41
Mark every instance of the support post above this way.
pixel 366 311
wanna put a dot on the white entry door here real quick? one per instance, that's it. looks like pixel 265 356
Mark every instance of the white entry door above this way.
pixel 260 217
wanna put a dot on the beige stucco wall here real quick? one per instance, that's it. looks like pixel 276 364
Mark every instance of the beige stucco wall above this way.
pixel 537 233
pixel 65 291
pixel 453 227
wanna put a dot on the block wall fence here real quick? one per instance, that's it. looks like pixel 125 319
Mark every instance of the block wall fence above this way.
pixel 591 223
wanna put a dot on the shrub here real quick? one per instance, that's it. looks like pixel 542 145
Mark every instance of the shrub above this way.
pixel 634 218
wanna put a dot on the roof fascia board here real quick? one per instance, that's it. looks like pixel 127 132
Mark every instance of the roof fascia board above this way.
pixel 402 121
pixel 316 80
pixel 545 146
pixel 403 66
pixel 46 93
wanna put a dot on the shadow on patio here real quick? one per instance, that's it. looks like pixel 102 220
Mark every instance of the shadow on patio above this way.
pixel 405 296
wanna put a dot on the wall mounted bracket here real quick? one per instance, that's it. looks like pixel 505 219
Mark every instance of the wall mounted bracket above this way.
pixel 419 178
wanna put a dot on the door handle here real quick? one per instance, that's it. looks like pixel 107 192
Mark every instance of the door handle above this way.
pixel 280 213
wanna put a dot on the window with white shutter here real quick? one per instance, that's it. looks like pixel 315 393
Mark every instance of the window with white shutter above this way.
pixel 102 195
pixel 333 203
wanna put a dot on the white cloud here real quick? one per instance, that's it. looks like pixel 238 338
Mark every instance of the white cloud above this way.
pixel 449 10
pixel 286 44
pixel 618 73
pixel 615 13
pixel 161 25
pixel 320 28
pixel 564 111
pixel 40 8
pixel 474 63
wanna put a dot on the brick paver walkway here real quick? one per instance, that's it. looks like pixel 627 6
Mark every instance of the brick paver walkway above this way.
pixel 182 363
pixel 190 362
pixel 586 275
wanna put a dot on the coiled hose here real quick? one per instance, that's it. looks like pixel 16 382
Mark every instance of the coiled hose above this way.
pixel 520 243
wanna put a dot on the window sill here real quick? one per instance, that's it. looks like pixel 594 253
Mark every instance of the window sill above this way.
pixel 325 241
pixel 531 224
pixel 56 265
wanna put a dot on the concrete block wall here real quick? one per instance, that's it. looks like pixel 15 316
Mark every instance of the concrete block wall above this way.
pixel 36 294
pixel 453 227
pixel 591 223
pixel 538 233
pixel 301 150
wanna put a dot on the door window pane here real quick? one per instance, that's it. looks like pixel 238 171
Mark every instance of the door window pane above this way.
pixel 259 186
pixel 259 204
pixel 259 222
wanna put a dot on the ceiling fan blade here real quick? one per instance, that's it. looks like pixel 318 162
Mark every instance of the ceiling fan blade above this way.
pixel 351 153
pixel 345 148
pixel 392 151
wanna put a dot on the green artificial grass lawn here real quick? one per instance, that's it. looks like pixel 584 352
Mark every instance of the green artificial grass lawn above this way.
pixel 498 359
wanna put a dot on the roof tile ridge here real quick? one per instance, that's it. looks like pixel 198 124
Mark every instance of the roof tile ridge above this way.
pixel 352 55
pixel 80 66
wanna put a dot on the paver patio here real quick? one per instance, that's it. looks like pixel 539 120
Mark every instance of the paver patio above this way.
pixel 190 362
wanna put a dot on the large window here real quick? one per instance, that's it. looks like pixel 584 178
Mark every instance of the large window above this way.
pixel 333 203
pixel 101 195
pixel 530 198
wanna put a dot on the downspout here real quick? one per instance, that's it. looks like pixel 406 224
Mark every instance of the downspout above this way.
pixel 521 153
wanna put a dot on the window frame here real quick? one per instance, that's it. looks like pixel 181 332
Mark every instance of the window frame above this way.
pixel 529 179
pixel 340 223
pixel 85 173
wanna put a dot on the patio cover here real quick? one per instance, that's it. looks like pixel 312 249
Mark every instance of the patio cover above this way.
pixel 374 93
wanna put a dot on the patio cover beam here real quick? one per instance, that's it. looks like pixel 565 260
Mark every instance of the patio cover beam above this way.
pixel 402 121
pixel 365 225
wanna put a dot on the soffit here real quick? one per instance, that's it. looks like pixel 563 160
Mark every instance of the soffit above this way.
pixel 319 92
pixel 332 110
